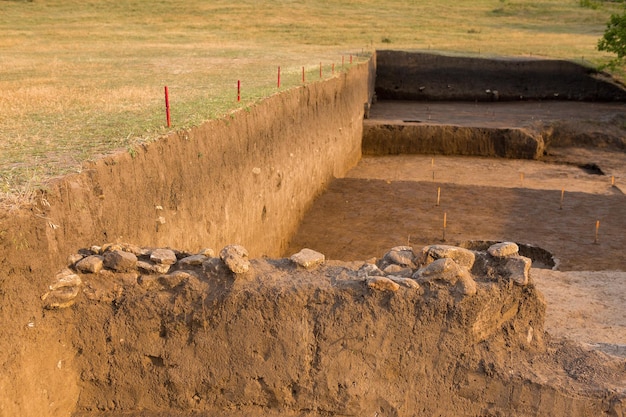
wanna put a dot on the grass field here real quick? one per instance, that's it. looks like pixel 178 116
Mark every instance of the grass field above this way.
pixel 80 78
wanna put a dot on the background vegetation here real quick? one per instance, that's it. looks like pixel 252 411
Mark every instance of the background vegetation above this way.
pixel 80 78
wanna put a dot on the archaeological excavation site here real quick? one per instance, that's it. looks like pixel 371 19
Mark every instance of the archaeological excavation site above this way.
pixel 420 235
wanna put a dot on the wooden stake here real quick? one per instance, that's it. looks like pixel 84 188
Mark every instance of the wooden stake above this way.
pixel 303 75
pixel 438 195
pixel 612 180
pixel 279 76
pixel 445 215
pixel 562 194
pixel 238 90
pixel 597 229
pixel 521 178
pixel 167 107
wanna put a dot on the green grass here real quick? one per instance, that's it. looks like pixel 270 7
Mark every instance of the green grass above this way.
pixel 79 79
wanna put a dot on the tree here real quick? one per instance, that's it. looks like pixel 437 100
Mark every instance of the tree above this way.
pixel 614 38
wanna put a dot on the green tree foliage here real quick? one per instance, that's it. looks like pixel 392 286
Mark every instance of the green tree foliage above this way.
pixel 614 38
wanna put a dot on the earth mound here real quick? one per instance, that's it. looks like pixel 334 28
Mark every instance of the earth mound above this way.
pixel 438 331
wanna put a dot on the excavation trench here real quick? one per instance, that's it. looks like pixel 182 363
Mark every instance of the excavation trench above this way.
pixel 123 328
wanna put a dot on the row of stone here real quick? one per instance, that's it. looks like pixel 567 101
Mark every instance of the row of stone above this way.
pixel 449 265
pixel 438 264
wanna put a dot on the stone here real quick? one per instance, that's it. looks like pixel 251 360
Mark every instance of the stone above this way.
pixel 163 256
pixel 74 258
pixel 382 284
pixel 308 258
pixel 111 247
pixel 208 252
pixel 152 268
pixel 120 261
pixel 90 265
pixel 466 284
pixel 518 268
pixel 401 271
pixel 444 269
pixel 60 298
pixel 65 278
pixel 134 249
pixel 463 257
pixel 503 249
pixel 193 260
pixel 401 255
pixel 405 282
pixel 370 270
pixel 63 290
pixel 236 258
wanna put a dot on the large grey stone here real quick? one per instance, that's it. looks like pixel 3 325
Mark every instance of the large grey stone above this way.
pixel 503 249
pixel 193 260
pixel 401 255
pixel 236 258
pixel 463 257
pixel 518 268
pixel 163 256
pixel 308 258
pixel 444 269
pixel 90 265
pixel 120 261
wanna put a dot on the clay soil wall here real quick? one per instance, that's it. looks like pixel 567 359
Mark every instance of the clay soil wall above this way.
pixel 246 179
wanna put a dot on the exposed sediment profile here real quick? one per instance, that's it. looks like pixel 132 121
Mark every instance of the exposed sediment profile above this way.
pixel 438 331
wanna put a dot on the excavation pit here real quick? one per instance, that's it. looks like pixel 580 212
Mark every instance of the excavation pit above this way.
pixel 380 325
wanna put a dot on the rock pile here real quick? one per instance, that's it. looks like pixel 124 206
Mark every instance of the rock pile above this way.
pixel 435 267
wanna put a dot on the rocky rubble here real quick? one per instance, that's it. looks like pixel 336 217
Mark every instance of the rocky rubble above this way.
pixel 434 267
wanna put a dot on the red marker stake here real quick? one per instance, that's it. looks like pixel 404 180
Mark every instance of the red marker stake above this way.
pixel 238 90
pixel 167 107
pixel 279 76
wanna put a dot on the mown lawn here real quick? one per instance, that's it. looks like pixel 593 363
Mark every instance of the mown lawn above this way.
pixel 80 78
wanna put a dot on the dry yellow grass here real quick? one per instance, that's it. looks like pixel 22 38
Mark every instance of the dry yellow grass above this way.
pixel 81 78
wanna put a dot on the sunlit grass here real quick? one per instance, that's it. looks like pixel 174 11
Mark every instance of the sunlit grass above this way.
pixel 79 79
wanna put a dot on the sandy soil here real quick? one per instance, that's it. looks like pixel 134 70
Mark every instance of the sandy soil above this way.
pixel 555 204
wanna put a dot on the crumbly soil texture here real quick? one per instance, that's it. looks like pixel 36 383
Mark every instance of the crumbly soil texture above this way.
pixel 438 285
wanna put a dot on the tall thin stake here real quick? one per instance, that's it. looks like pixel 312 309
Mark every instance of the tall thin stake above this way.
pixel 562 195
pixel 167 107
pixel 438 195
pixel 279 76
pixel 445 216
pixel 238 90
pixel 597 230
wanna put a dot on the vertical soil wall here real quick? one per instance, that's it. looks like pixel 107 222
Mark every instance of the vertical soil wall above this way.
pixel 422 76
pixel 244 179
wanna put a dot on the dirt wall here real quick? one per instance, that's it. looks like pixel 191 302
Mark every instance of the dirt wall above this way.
pixel 425 76
pixel 245 179
pixel 394 138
